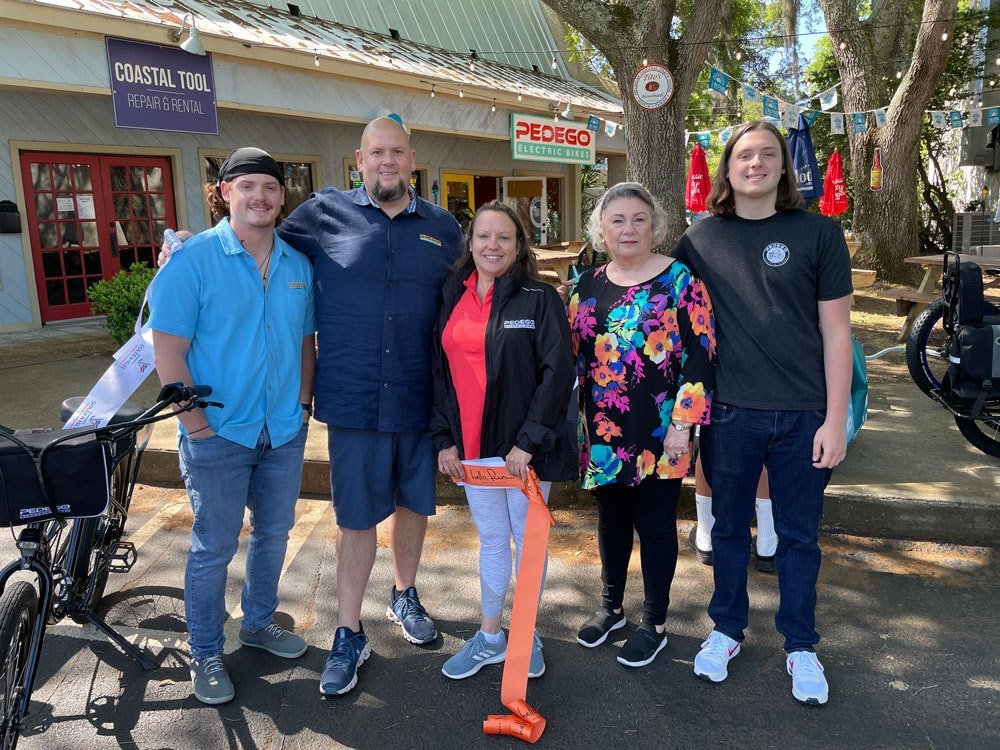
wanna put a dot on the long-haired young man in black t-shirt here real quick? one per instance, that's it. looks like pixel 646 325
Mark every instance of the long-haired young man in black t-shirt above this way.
pixel 780 281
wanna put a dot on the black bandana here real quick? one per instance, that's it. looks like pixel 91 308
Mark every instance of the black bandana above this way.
pixel 250 160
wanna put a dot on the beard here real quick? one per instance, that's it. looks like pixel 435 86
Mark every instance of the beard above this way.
pixel 389 194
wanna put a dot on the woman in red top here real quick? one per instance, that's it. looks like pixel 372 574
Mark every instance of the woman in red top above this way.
pixel 503 378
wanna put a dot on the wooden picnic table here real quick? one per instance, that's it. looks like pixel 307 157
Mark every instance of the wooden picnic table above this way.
pixel 556 261
pixel 911 303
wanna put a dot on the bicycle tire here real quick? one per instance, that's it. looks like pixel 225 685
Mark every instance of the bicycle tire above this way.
pixel 928 333
pixel 17 615
pixel 983 434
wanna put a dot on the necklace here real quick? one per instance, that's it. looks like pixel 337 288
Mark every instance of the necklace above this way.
pixel 266 266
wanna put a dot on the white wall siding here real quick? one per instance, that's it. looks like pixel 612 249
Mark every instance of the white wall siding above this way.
pixel 88 120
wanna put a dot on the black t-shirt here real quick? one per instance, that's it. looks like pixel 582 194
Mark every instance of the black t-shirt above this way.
pixel 765 278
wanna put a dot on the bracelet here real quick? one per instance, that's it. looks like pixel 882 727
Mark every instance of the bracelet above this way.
pixel 195 432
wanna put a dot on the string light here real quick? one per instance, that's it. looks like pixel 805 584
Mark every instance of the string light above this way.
pixel 555 63
pixel 432 91
pixel 493 107
pixel 739 54
pixel 843 45
pixel 519 93
pixel 645 60
pixel 461 92
pixel 899 74
pixel 944 37
pixel 316 60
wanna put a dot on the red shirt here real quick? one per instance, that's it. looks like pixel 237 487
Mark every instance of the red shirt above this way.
pixel 464 343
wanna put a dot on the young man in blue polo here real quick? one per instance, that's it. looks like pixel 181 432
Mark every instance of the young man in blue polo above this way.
pixel 234 310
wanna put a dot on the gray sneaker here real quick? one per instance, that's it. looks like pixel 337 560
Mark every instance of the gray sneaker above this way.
pixel 276 640
pixel 210 682
pixel 475 654
pixel 536 667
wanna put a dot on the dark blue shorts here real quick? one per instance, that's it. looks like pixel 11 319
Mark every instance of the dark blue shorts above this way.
pixel 372 472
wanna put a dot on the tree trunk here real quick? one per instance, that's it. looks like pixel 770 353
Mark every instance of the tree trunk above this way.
pixel 887 220
pixel 627 31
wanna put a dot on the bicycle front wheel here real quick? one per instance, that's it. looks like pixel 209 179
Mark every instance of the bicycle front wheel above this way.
pixel 984 434
pixel 17 614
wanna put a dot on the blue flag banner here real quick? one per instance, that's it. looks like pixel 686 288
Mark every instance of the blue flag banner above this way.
pixel 859 122
pixel 828 99
pixel 837 123
pixel 807 175
pixel 955 119
pixel 704 138
pixel 810 115
pixel 993 116
pixel 771 107
pixel 717 80
pixel 975 118
pixel 593 124
pixel 880 117
pixel 749 92
pixel 725 134
pixel 610 128
pixel 938 119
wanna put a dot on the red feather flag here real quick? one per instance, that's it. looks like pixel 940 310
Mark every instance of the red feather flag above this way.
pixel 698 183
pixel 834 200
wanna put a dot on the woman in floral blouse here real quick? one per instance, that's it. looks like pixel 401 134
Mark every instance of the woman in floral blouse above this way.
pixel 644 339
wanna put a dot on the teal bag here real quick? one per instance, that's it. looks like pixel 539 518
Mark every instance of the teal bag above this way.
pixel 857 405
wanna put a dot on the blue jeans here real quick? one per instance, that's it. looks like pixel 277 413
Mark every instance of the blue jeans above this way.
pixel 222 480
pixel 739 442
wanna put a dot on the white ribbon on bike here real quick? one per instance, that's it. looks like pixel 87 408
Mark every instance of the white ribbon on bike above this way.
pixel 133 363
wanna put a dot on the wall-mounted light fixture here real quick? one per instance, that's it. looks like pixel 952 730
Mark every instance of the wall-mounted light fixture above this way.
pixel 193 43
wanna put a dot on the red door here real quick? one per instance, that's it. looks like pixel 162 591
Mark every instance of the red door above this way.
pixel 90 216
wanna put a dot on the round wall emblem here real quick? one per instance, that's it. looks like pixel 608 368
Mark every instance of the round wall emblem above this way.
pixel 776 254
pixel 652 87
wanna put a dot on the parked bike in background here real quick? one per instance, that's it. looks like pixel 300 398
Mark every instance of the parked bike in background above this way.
pixel 953 353
pixel 70 490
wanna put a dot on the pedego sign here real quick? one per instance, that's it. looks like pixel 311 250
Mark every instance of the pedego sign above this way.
pixel 544 139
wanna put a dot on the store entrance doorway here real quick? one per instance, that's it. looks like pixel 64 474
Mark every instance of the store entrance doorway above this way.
pixel 89 217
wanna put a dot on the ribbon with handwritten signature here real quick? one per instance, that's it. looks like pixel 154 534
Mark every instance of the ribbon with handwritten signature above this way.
pixel 524 722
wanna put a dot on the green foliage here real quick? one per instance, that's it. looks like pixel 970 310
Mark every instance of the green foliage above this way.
pixel 120 299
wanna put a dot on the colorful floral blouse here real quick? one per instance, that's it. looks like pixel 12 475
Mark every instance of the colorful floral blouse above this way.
pixel 644 355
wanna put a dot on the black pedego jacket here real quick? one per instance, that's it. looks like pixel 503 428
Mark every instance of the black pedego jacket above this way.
pixel 529 376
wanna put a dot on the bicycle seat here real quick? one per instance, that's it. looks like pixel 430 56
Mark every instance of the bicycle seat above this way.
pixel 129 411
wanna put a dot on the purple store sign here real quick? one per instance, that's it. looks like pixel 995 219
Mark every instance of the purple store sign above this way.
pixel 157 87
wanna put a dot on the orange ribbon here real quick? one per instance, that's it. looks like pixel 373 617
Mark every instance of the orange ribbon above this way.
pixel 524 723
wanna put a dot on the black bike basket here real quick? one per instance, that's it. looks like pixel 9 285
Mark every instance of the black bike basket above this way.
pixel 39 480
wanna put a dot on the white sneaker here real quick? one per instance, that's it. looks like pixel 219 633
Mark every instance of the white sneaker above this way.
pixel 808 683
pixel 713 660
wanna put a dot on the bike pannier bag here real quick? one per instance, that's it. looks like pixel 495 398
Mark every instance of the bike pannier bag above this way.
pixel 974 372
pixel 75 473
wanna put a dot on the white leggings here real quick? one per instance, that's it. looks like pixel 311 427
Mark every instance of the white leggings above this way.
pixel 499 513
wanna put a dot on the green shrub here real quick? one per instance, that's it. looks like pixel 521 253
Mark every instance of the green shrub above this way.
pixel 120 298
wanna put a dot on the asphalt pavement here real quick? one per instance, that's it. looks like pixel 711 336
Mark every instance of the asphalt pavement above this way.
pixel 907 645
pixel 907 626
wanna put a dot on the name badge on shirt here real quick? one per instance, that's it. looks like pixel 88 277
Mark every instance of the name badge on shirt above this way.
pixel 523 323
pixel 296 285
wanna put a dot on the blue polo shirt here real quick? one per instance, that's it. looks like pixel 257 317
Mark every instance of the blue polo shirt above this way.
pixel 378 286
pixel 245 342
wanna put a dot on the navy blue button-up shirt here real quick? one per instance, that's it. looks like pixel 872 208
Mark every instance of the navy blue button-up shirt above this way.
pixel 377 287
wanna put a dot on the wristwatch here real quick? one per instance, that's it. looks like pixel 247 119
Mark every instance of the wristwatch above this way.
pixel 680 427
pixel 307 408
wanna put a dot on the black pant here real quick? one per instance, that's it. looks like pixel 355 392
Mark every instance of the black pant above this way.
pixel 650 509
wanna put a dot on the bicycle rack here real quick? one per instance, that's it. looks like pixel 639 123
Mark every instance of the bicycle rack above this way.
pixel 121 557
